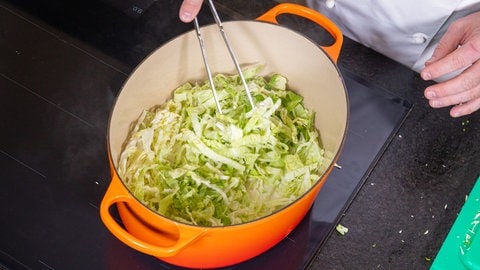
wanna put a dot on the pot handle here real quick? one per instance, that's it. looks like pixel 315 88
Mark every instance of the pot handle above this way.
pixel 287 8
pixel 111 197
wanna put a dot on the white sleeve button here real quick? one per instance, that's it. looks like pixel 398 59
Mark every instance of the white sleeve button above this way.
pixel 330 3
pixel 418 38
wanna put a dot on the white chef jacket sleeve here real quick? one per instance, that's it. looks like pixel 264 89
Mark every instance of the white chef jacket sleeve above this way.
pixel 402 30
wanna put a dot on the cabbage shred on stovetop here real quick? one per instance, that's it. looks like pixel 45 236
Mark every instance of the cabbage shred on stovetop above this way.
pixel 189 163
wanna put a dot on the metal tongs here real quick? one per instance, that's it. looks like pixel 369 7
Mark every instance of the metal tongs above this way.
pixel 232 54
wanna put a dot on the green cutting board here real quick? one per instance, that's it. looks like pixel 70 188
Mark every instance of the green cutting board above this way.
pixel 461 248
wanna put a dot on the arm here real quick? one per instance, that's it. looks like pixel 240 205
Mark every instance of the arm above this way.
pixel 189 10
pixel 458 49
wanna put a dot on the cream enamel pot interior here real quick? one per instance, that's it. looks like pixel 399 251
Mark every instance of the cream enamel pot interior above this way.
pixel 311 72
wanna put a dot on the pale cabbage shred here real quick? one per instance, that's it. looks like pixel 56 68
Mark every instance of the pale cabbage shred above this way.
pixel 189 163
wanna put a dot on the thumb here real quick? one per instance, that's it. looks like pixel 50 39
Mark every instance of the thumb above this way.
pixel 189 10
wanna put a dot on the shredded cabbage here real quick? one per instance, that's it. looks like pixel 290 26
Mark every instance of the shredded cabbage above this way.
pixel 192 164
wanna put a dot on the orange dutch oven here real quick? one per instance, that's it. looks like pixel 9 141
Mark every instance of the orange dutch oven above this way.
pixel 311 71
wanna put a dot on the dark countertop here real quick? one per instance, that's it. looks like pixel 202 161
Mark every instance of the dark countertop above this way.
pixel 404 211
pixel 398 220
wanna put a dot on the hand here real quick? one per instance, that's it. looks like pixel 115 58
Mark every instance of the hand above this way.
pixel 459 49
pixel 189 10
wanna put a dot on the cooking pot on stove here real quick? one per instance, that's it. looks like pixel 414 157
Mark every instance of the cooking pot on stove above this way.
pixel 311 71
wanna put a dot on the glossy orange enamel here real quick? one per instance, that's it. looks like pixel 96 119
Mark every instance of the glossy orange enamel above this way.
pixel 311 73
pixel 287 8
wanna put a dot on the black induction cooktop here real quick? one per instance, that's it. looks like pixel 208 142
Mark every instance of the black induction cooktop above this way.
pixel 56 94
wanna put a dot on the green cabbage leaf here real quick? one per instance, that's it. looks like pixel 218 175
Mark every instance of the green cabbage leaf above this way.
pixel 192 164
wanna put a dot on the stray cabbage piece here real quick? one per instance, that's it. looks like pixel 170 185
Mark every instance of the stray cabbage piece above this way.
pixel 189 163
pixel 342 230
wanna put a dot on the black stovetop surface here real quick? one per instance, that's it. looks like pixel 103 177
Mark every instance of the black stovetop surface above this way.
pixel 63 64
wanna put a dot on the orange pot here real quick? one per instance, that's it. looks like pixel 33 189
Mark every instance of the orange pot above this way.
pixel 311 72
